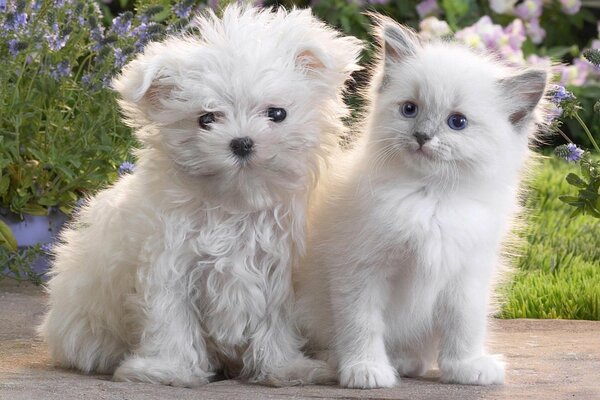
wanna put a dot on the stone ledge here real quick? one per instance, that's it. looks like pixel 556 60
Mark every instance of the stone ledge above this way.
pixel 547 359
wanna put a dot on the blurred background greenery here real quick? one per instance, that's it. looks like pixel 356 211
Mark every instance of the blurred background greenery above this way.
pixel 61 137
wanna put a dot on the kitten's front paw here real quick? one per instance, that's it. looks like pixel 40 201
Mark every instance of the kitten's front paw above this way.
pixel 152 370
pixel 367 375
pixel 484 370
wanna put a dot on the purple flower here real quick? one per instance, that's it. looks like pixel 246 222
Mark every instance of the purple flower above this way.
pixel 427 7
pixel 47 248
pixel 86 79
pixel 20 19
pixel 61 70
pixel 120 58
pixel 126 168
pixel 12 47
pixel 574 153
pixel 570 7
pixel 529 9
pixel 121 24
pixel 55 40
pixel 2 5
pixel 183 9
pixel 561 94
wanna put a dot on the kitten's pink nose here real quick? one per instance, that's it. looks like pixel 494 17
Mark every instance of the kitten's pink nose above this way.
pixel 422 138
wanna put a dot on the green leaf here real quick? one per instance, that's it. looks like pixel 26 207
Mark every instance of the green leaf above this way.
pixel 569 199
pixel 576 181
pixel 4 183
pixel 7 239
pixel 34 209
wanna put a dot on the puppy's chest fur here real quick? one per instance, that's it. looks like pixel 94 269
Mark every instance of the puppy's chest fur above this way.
pixel 241 274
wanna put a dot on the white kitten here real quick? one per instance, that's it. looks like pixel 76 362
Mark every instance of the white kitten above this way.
pixel 184 267
pixel 406 238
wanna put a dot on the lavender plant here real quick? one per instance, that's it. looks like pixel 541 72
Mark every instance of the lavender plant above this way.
pixel 587 200
pixel 60 131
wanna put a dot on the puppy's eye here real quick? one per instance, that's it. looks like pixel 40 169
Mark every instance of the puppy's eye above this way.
pixel 457 121
pixel 409 109
pixel 206 119
pixel 276 114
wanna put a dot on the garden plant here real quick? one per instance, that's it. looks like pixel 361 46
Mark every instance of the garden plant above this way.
pixel 61 137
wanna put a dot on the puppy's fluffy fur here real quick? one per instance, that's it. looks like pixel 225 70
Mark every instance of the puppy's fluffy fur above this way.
pixel 183 268
pixel 407 236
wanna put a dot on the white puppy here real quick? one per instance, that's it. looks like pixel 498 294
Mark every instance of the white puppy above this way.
pixel 183 268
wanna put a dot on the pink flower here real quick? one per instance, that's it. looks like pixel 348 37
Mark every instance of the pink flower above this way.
pixel 535 31
pixel 529 9
pixel 570 7
pixel 502 6
pixel 575 74
pixel 541 62
pixel 431 27
pixel 428 7
pixel 516 34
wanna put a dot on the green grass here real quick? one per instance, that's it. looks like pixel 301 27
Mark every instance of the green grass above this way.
pixel 558 272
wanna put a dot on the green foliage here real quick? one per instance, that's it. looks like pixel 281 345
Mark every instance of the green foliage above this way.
pixel 59 137
pixel 17 264
pixel 558 273
pixel 587 200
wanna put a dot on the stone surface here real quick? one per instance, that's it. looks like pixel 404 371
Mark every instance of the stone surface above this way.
pixel 547 359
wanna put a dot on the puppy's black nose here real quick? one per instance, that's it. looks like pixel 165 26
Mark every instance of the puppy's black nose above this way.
pixel 421 137
pixel 241 147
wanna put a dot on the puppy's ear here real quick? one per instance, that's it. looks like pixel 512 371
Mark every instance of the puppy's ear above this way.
pixel 144 84
pixel 324 54
pixel 397 41
pixel 522 93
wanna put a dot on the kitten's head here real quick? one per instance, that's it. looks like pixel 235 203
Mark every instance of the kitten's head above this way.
pixel 245 107
pixel 442 107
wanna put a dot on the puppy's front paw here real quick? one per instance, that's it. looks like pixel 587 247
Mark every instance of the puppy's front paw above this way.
pixel 367 375
pixel 152 370
pixel 484 370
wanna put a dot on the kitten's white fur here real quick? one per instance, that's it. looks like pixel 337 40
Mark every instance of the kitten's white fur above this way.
pixel 403 242
pixel 184 267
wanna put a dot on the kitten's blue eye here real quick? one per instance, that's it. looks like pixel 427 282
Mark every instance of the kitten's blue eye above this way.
pixel 457 122
pixel 409 109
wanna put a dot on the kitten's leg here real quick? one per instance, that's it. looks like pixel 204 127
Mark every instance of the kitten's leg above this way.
pixel 359 331
pixel 462 322
pixel 172 350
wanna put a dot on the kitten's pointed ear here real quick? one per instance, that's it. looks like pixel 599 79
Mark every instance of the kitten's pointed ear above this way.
pixel 523 93
pixel 398 41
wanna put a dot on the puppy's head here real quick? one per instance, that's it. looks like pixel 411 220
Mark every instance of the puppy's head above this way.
pixel 247 106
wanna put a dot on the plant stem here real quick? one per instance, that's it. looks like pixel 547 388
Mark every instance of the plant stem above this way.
pixel 587 132
pixel 564 135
